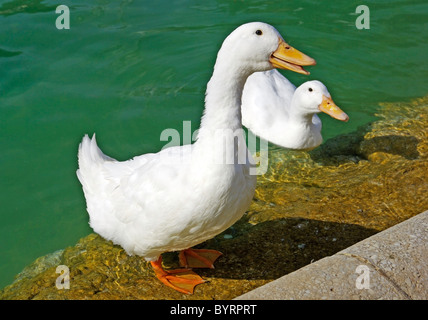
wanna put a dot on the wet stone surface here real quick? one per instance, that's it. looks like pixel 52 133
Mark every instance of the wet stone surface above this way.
pixel 308 205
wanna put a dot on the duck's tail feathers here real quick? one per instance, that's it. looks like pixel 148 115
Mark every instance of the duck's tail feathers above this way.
pixel 91 159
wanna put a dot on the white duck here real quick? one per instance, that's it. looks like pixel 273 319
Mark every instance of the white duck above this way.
pixel 275 110
pixel 182 196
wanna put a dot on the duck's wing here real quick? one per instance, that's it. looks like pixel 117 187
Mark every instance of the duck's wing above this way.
pixel 266 100
pixel 282 87
pixel 145 179
pixel 266 94
pixel 120 191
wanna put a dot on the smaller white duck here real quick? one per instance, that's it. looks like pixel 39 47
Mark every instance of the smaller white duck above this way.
pixel 276 111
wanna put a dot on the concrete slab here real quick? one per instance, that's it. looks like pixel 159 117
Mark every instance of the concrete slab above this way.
pixel 389 265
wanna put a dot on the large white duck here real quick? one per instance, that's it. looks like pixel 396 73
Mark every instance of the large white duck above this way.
pixel 182 196
pixel 276 111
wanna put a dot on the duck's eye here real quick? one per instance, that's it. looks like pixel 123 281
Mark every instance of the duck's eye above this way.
pixel 310 89
pixel 259 32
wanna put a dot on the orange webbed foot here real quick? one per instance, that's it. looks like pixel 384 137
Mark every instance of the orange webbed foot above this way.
pixel 198 258
pixel 182 280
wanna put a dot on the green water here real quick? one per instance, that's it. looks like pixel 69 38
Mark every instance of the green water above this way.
pixel 129 69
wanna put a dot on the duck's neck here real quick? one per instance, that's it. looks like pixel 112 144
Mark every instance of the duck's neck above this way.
pixel 299 116
pixel 222 103
pixel 301 128
pixel 303 121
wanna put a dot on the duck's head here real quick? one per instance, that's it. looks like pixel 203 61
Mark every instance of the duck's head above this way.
pixel 258 46
pixel 313 97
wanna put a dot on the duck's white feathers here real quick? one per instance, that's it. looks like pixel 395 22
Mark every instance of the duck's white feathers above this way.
pixel 180 196
pixel 268 112
pixel 151 203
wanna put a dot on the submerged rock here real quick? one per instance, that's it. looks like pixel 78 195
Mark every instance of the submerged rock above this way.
pixel 307 206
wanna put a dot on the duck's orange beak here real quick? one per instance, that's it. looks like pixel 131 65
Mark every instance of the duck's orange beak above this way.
pixel 286 57
pixel 328 106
